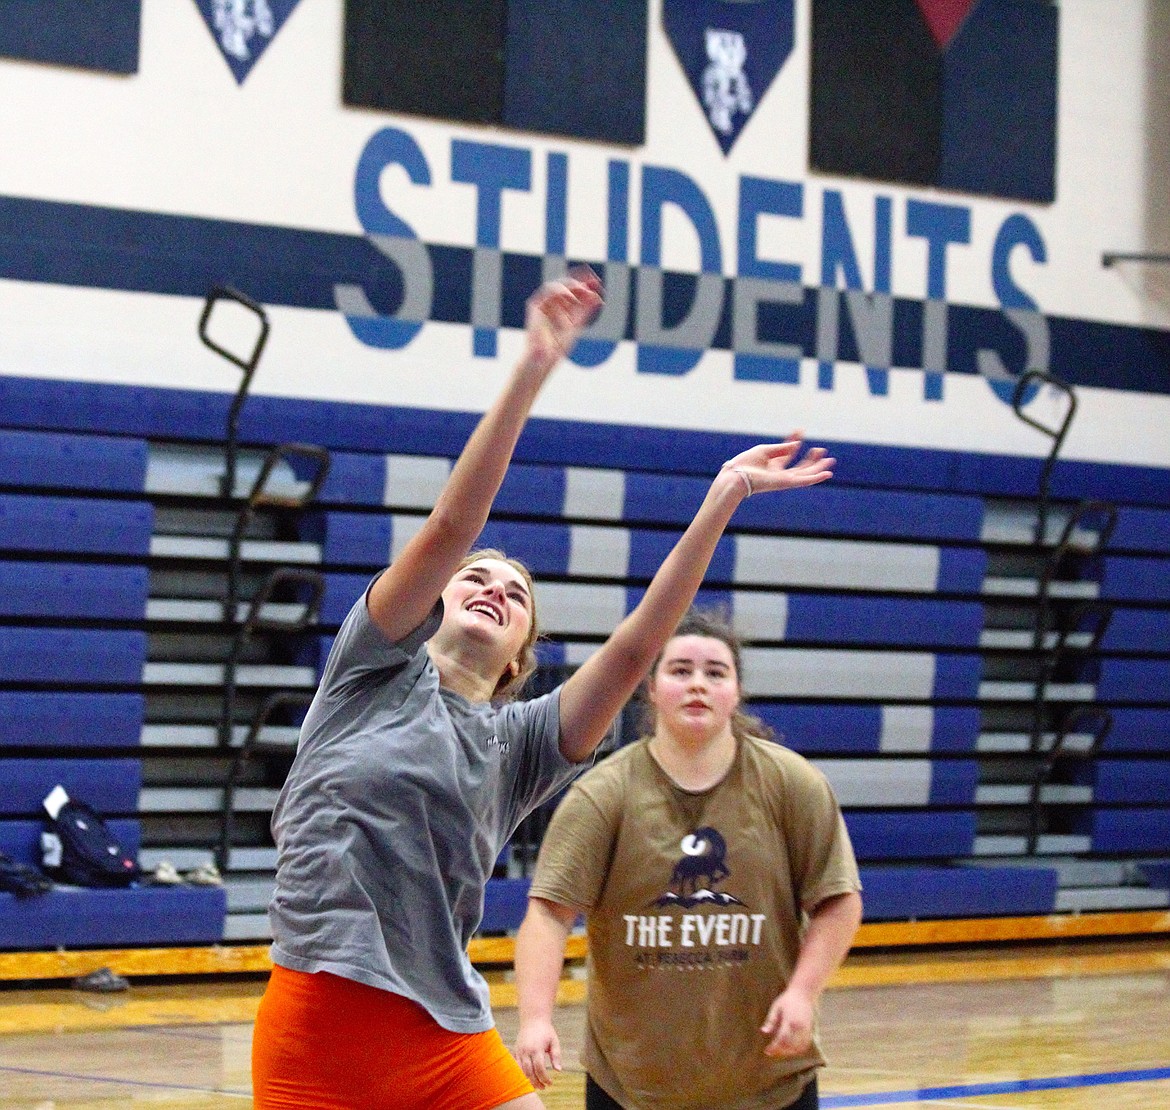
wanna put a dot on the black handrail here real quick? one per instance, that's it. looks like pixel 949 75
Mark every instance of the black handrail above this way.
pixel 1028 379
pixel 1099 610
pixel 261 496
pixel 1079 716
pixel 256 621
pixel 247 365
pixel 283 700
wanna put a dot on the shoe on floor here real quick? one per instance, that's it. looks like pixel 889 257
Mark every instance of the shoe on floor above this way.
pixel 206 874
pixel 103 981
pixel 166 874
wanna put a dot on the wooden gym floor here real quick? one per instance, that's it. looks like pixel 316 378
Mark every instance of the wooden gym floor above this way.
pixel 1053 1026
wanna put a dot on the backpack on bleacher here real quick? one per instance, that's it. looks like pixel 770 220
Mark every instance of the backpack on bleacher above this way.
pixel 78 847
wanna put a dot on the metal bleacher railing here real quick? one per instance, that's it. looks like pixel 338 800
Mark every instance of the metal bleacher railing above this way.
pixel 288 600
pixel 1067 632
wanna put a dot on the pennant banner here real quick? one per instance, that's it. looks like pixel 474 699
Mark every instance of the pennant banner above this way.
pixel 731 50
pixel 98 35
pixel 242 29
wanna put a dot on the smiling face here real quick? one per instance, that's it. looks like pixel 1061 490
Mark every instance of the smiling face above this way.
pixel 488 611
pixel 694 689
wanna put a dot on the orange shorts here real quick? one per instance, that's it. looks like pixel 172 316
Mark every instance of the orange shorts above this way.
pixel 332 1044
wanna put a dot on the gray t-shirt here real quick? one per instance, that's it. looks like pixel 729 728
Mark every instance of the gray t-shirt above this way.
pixel 400 799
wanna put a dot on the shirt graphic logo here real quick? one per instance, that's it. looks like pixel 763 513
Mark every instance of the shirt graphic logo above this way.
pixel 243 29
pixel 711 936
pixel 494 741
pixel 702 866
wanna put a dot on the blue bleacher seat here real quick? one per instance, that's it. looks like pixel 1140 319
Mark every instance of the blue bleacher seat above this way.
pixel 1134 680
pixel 77 917
pixel 74 524
pixel 352 479
pixel 1131 829
pixel 58 719
pixel 341 591
pixel 910 835
pixel 1156 874
pixel 870 728
pixel 861 603
pixel 1134 781
pixel 888 621
pixel 536 490
pixel 109 785
pixel 898 893
pixel 73 917
pixel 890 892
pixel 74 590
pixel 1135 578
pixel 75 462
pixel 1140 529
pixel 1138 630
pixel 21 839
pixel 106 657
pixel 181 414
pixel 504 905
pixel 1138 730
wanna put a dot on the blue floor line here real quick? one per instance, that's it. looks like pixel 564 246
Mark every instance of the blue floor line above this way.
pixel 1013 1087
pixel 124 1082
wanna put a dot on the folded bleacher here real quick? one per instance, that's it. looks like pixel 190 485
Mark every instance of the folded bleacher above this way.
pixel 888 621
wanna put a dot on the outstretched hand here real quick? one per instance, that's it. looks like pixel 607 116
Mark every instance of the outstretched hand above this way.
pixel 773 466
pixel 558 312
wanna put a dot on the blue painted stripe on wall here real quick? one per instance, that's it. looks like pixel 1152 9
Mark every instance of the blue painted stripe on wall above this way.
pixel 86 245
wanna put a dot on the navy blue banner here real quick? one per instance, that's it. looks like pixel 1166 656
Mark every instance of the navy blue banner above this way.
pixel 576 67
pixel 96 34
pixel 730 51
pixel 952 93
pixel 244 30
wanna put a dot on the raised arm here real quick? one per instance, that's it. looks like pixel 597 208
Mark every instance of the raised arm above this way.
pixel 401 598
pixel 596 692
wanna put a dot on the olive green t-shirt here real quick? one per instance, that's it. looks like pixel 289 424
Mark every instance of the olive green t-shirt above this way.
pixel 695 905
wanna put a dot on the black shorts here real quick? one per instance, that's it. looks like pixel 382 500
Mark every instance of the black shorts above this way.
pixel 597 1099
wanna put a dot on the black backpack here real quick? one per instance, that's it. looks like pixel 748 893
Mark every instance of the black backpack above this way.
pixel 78 848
